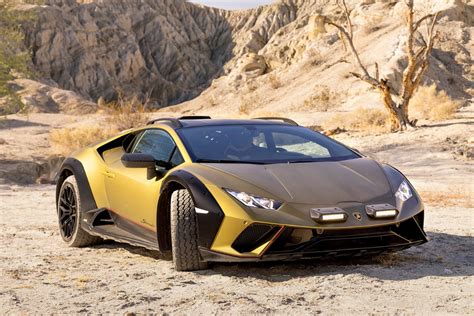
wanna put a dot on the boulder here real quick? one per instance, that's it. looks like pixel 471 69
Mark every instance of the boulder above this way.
pixel 253 65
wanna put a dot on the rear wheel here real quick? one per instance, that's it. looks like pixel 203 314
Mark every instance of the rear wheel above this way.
pixel 69 216
pixel 184 236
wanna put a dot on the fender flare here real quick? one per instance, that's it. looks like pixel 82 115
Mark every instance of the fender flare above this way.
pixel 208 224
pixel 72 166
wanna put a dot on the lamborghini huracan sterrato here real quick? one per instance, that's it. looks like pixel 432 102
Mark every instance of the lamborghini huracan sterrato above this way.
pixel 235 190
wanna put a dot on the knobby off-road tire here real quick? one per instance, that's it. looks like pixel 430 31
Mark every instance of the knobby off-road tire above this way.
pixel 184 236
pixel 70 216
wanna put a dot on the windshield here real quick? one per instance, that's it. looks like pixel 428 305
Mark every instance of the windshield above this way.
pixel 263 144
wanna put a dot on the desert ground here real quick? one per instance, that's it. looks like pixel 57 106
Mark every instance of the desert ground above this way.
pixel 39 273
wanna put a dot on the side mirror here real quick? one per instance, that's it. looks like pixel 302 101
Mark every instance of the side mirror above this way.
pixel 155 168
pixel 138 161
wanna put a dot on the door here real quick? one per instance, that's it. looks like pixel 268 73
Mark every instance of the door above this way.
pixel 130 193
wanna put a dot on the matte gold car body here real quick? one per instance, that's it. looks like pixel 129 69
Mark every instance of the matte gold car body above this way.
pixel 136 199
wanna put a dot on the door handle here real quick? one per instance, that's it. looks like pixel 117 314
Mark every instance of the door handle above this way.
pixel 108 174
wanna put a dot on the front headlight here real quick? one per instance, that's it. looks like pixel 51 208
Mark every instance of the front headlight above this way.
pixel 254 200
pixel 404 192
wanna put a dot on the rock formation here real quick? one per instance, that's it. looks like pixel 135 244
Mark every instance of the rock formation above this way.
pixel 172 50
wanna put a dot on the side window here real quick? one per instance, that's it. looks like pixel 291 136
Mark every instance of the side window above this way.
pixel 159 144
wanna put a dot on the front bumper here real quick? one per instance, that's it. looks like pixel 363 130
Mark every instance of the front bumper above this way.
pixel 279 243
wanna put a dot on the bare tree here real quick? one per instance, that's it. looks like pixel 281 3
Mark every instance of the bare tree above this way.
pixel 418 55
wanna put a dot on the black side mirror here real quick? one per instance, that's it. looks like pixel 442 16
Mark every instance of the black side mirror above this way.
pixel 155 168
pixel 138 161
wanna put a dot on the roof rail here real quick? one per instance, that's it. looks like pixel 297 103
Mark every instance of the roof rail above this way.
pixel 195 117
pixel 175 122
pixel 283 119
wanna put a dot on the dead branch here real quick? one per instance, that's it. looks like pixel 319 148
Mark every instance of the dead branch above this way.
pixel 418 63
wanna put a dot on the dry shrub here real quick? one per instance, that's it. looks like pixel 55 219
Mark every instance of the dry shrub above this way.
pixel 212 101
pixel 126 113
pixel 428 103
pixel 66 140
pixel 320 101
pixel 123 114
pixel 248 104
pixel 274 81
pixel 364 120
pixel 251 86
pixel 447 199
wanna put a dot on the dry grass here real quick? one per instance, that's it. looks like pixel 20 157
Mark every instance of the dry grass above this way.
pixel 447 199
pixel 120 115
pixel 430 104
pixel 212 101
pixel 248 104
pixel 370 121
pixel 126 113
pixel 66 140
pixel 274 81
pixel 320 101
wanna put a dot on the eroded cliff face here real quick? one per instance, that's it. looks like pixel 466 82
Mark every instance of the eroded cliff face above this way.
pixel 172 50
pixel 168 49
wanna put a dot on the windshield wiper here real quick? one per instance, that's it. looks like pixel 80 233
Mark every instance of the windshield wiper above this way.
pixel 229 161
pixel 300 161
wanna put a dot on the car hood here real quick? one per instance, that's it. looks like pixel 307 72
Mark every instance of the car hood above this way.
pixel 318 183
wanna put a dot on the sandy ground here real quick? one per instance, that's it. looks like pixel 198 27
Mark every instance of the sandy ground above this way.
pixel 39 274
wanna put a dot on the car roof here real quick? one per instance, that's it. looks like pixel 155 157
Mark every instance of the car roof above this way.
pixel 188 122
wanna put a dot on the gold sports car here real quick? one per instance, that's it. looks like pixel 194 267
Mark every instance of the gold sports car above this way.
pixel 235 190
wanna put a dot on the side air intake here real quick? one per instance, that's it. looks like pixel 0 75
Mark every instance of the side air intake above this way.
pixel 254 236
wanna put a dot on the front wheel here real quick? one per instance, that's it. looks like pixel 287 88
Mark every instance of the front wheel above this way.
pixel 184 236
pixel 69 216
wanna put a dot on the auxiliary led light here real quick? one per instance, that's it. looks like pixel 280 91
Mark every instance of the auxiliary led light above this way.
pixel 333 217
pixel 385 214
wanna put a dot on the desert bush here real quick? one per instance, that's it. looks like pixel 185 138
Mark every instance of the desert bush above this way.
pixel 363 120
pixel 123 114
pixel 274 81
pixel 320 101
pixel 66 140
pixel 249 104
pixel 246 106
pixel 430 104
pixel 212 101
pixel 126 113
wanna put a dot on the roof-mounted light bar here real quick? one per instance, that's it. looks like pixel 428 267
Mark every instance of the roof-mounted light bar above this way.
pixel 283 119
pixel 175 122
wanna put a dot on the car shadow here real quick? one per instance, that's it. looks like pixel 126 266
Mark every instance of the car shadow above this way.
pixel 444 255
pixel 110 244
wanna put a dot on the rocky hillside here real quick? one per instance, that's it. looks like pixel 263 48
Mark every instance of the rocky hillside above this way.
pixel 168 49
pixel 172 50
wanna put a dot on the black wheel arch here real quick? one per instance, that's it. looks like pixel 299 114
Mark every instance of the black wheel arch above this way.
pixel 72 166
pixel 208 224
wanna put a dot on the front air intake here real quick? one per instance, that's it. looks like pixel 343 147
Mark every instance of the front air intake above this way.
pixel 254 236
